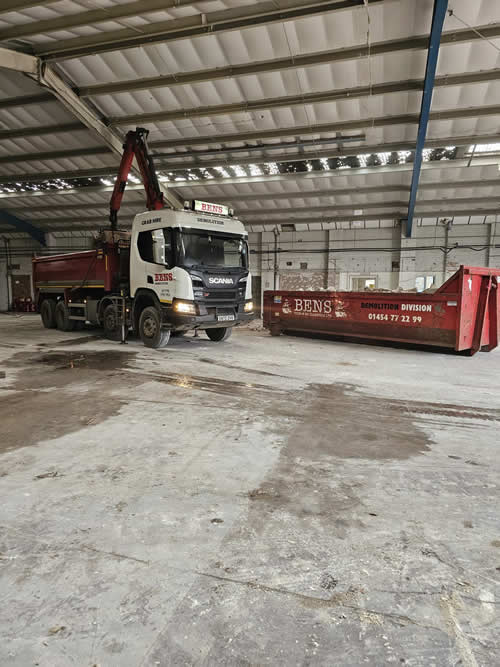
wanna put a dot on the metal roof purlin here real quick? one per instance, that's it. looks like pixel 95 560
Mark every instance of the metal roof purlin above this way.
pixel 234 18
pixel 438 15
pixel 43 74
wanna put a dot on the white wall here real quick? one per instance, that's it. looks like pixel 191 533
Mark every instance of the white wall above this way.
pixel 370 253
pixel 334 270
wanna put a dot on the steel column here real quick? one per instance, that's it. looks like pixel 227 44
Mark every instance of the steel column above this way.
pixel 438 15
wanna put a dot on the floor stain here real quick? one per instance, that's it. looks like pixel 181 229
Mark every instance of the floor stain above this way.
pixel 101 360
pixel 28 417
pixel 79 341
pixel 254 371
pixel 335 420
pixel 233 388
pixel 43 404
pixel 44 385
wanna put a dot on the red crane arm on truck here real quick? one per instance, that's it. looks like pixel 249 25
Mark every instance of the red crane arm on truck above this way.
pixel 136 146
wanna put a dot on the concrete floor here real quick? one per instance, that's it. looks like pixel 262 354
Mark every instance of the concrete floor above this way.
pixel 281 501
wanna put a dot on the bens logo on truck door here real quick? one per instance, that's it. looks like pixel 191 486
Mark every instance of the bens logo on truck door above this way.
pixel 163 277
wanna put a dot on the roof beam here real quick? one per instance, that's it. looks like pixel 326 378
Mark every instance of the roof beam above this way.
pixel 293 212
pixel 37 177
pixel 240 212
pixel 131 187
pixel 68 192
pixel 293 131
pixel 41 130
pixel 371 189
pixel 98 221
pixel 19 5
pixel 259 196
pixel 251 15
pixel 332 207
pixel 51 208
pixel 102 150
pixel 332 173
pixel 26 100
pixel 279 64
pixel 339 126
pixel 23 226
pixel 438 16
pixel 227 160
pixel 50 79
pixel 305 98
pixel 384 215
pixel 85 18
pixel 18 61
pixel 55 155
pixel 225 156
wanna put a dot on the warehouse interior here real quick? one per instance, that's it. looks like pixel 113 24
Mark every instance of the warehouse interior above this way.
pixel 302 499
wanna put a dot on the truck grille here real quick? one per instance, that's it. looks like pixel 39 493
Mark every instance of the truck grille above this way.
pixel 220 295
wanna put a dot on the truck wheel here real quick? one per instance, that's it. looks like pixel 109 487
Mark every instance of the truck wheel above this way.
pixel 111 323
pixel 48 313
pixel 150 331
pixel 62 317
pixel 219 334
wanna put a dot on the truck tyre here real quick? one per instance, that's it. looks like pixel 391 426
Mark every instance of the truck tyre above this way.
pixel 48 313
pixel 150 331
pixel 111 323
pixel 219 334
pixel 62 317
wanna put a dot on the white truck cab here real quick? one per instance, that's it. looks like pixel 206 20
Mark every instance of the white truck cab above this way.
pixel 192 267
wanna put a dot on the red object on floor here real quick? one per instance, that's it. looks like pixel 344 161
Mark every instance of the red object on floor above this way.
pixel 463 314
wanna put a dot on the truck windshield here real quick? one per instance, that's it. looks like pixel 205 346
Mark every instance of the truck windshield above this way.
pixel 207 249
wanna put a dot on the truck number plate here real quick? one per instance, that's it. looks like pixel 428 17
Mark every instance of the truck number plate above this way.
pixel 225 318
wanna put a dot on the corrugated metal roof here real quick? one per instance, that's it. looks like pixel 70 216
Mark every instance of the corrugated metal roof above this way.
pixel 254 45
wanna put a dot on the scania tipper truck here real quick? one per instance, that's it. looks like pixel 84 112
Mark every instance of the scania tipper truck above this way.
pixel 177 270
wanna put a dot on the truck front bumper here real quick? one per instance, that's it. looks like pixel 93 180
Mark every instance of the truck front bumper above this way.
pixel 208 317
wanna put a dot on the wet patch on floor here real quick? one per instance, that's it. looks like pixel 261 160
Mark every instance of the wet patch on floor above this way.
pixel 101 360
pixel 47 400
pixel 335 420
pixel 29 417
pixel 59 392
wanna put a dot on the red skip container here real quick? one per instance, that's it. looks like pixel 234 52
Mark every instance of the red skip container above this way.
pixel 463 314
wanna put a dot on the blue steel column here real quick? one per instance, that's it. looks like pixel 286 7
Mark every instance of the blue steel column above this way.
pixel 23 226
pixel 440 7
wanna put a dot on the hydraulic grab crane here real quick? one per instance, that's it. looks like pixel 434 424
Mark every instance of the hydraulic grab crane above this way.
pixel 175 270
pixel 136 146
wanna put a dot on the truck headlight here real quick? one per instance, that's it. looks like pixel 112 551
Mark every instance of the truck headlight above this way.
pixel 184 307
pixel 248 307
